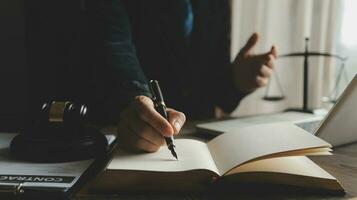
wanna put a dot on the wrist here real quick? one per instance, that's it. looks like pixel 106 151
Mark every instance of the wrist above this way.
pixel 236 81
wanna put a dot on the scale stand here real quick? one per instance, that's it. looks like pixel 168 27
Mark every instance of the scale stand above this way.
pixel 306 54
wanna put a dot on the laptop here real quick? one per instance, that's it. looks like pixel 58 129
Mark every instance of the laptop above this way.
pixel 218 127
pixel 339 127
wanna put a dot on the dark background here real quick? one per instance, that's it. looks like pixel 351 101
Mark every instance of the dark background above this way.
pixel 13 80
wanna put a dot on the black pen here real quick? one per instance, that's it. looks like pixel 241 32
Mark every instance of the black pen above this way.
pixel 161 108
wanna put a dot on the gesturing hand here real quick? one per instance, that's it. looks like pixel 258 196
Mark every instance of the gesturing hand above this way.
pixel 252 71
pixel 142 128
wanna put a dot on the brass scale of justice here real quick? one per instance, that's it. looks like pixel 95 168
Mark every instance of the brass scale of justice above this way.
pixel 332 98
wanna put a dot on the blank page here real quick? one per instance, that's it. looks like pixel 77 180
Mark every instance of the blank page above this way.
pixel 192 155
pixel 292 170
pixel 237 147
pixel 298 165
pixel 218 127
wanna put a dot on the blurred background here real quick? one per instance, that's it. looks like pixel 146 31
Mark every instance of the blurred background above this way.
pixel 329 24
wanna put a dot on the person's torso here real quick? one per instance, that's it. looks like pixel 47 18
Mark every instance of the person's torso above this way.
pixel 185 66
pixel 60 50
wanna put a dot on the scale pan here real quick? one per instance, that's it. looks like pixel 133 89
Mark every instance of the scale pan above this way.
pixel 274 98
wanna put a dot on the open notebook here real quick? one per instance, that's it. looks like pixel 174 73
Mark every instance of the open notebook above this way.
pixel 273 153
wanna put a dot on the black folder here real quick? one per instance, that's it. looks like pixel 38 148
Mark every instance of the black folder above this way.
pixel 25 180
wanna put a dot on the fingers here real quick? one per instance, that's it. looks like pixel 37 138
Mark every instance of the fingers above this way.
pixel 142 128
pixel 274 52
pixel 265 71
pixel 262 67
pixel 132 142
pixel 270 61
pixel 270 57
pixel 147 132
pixel 177 119
pixel 252 41
pixel 146 111
pixel 134 134
pixel 265 59
pixel 261 81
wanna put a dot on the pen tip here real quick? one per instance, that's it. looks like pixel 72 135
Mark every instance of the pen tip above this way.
pixel 174 154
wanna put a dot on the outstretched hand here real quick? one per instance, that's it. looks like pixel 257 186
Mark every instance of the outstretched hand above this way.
pixel 252 71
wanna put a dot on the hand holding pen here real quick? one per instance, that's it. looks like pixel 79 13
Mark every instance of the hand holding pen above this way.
pixel 142 128
pixel 160 107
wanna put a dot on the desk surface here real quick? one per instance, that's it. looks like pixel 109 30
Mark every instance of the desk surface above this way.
pixel 342 165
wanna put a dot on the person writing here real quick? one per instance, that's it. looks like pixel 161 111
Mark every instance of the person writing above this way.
pixel 192 65
pixel 115 46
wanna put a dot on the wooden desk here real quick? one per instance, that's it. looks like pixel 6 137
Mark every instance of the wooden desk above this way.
pixel 342 165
